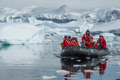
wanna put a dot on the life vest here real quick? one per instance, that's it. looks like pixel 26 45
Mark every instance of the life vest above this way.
pixel 77 43
pixel 68 42
pixel 73 43
pixel 62 45
pixel 100 41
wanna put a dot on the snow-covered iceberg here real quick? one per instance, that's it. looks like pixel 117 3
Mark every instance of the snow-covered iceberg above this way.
pixel 115 25
pixel 48 77
pixel 21 34
pixel 84 27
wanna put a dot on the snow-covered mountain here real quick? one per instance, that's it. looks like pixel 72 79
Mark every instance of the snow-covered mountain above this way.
pixel 63 9
pixel 63 14
pixel 102 15
pixel 5 13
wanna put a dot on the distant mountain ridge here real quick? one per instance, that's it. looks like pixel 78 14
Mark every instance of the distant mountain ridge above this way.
pixel 63 14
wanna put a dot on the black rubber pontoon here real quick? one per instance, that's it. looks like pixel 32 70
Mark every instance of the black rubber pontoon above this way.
pixel 76 51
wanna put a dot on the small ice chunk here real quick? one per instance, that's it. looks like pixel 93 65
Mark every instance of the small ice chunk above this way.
pixel 48 77
pixel 62 72
pixel 118 72
pixel 89 71
pixel 78 60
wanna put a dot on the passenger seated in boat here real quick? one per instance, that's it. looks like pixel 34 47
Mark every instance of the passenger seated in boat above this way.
pixel 74 42
pixel 102 42
pixel 88 38
pixel 62 44
pixel 83 43
pixel 67 42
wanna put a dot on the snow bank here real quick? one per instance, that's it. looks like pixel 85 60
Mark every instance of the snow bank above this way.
pixel 21 34
pixel 48 77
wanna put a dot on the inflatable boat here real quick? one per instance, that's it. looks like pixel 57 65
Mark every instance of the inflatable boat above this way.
pixel 76 51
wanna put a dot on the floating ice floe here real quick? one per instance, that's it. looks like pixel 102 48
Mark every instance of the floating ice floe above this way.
pixel 89 71
pixel 62 72
pixel 48 77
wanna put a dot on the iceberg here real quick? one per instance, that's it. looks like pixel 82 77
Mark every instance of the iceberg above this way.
pixel 62 72
pixel 107 26
pixel 48 77
pixel 21 34
pixel 82 29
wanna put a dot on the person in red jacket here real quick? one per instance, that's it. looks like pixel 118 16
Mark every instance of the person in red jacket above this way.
pixel 67 42
pixel 102 42
pixel 74 42
pixel 88 38
pixel 62 44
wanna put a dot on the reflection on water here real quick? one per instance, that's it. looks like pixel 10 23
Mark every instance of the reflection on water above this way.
pixel 25 54
pixel 35 62
pixel 86 67
pixel 19 54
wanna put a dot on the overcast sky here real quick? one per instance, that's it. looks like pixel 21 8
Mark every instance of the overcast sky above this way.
pixel 56 3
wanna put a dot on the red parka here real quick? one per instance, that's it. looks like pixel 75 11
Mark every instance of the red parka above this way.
pixel 102 42
pixel 67 42
pixel 87 39
pixel 74 43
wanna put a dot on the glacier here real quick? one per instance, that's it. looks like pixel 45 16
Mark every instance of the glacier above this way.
pixel 21 34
